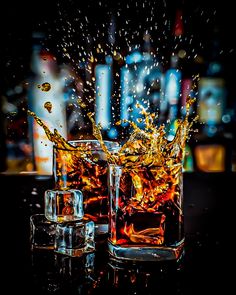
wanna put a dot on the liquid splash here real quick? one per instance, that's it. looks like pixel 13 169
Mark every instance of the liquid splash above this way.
pixel 146 147
pixel 153 166
pixel 146 183
pixel 150 147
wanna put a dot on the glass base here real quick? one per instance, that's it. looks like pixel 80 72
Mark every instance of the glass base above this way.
pixel 146 253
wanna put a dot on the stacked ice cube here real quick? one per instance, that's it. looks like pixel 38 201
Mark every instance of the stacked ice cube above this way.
pixel 63 226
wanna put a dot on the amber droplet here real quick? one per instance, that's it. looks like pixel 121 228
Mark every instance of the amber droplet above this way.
pixel 45 86
pixel 48 106
pixel 81 103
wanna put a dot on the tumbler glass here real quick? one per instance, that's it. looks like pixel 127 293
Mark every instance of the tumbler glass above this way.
pixel 146 213
pixel 85 167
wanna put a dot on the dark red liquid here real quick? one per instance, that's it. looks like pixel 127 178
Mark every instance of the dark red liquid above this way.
pixel 151 218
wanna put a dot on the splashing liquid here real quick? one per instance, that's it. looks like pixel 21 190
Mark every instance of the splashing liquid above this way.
pixel 146 185
pixel 148 168
pixel 83 165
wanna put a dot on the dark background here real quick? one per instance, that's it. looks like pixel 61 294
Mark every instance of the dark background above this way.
pixel 209 247
pixel 73 21
pixel 19 19
pixel 209 207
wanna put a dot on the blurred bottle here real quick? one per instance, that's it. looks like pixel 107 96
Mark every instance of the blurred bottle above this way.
pixel 3 147
pixel 106 84
pixel 73 96
pixel 141 84
pixel 172 95
pixel 179 83
pixel 173 76
pixel 212 94
pixel 188 90
pixel 212 151
pixel 103 86
pixel 46 99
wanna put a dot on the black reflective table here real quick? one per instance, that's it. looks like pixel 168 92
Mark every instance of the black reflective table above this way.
pixel 209 208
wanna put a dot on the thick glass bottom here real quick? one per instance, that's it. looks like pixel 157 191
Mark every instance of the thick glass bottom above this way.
pixel 146 253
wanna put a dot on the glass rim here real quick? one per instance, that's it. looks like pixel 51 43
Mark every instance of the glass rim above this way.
pixel 117 166
pixel 93 142
pixel 62 191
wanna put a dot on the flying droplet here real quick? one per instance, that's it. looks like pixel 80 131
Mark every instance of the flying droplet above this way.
pixel 48 106
pixel 45 86
pixel 81 103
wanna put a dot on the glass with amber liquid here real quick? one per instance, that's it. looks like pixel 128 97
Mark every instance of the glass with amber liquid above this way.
pixel 144 185
pixel 83 165
pixel 146 193
pixel 146 212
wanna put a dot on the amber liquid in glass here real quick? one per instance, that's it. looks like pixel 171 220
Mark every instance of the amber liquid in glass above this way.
pixel 145 185
pixel 88 174
pixel 145 211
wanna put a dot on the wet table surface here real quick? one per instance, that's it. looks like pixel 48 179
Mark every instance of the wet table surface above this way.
pixel 209 208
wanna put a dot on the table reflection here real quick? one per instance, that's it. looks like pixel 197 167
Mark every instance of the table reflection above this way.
pixel 96 272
